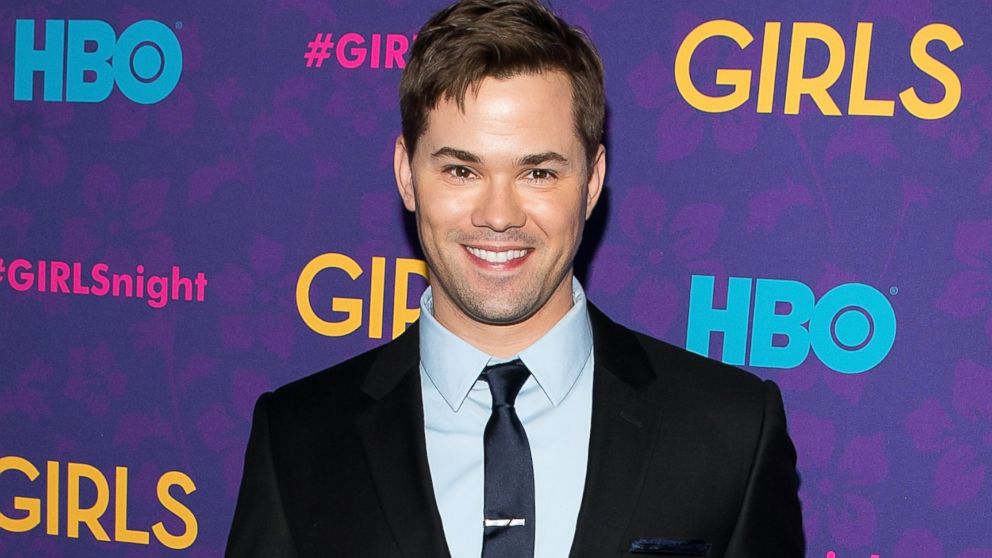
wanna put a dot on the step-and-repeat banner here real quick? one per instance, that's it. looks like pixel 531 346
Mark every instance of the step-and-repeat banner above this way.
pixel 198 206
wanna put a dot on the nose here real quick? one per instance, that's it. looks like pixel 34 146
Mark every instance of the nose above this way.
pixel 499 207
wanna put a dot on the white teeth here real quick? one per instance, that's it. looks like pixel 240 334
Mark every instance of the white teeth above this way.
pixel 496 257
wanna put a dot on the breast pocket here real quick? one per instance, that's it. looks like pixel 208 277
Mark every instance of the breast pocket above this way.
pixel 668 547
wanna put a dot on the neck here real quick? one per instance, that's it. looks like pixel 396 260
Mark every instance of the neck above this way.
pixel 505 340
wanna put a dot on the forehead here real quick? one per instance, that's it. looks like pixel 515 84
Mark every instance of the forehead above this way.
pixel 524 112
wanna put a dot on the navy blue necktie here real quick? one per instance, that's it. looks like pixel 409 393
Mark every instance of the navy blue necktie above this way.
pixel 509 471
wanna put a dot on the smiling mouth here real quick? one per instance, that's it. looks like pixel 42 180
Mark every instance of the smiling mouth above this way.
pixel 495 257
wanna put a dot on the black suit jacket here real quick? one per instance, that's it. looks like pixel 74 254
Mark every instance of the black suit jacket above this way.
pixel 681 448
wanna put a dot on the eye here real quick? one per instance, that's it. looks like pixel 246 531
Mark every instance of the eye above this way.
pixel 459 172
pixel 541 176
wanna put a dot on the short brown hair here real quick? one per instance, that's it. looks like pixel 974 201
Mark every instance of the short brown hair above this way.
pixel 475 39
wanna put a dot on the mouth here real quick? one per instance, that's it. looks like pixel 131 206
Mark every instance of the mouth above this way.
pixel 501 258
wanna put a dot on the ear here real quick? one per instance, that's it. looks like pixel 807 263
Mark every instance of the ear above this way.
pixel 596 176
pixel 404 175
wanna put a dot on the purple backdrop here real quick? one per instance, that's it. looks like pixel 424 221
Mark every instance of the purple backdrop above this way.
pixel 260 159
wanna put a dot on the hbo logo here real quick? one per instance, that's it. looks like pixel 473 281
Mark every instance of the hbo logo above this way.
pixel 851 328
pixel 81 61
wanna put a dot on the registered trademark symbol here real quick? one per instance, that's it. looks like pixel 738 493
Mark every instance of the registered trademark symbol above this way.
pixel 893 290
pixel 179 25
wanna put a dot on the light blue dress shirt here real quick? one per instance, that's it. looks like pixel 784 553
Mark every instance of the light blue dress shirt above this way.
pixel 554 405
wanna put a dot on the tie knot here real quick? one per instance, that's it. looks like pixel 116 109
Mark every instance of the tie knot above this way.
pixel 505 381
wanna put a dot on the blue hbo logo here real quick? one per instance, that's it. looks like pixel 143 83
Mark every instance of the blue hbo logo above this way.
pixel 80 60
pixel 850 329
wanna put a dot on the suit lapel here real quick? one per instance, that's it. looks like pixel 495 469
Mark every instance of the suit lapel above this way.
pixel 621 443
pixel 621 439
pixel 392 433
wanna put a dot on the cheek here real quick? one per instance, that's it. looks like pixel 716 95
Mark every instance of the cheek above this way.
pixel 559 217
pixel 445 210
pixel 437 217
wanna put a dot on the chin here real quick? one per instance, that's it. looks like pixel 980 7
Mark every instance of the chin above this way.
pixel 507 314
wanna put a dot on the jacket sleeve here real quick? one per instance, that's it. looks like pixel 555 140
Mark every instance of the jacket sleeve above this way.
pixel 260 528
pixel 770 520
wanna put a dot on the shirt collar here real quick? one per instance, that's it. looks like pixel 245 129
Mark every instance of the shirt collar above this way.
pixel 555 360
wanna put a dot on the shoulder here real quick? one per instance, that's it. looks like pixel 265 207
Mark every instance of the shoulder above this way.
pixel 345 376
pixel 677 374
pixel 730 408
pixel 674 363
pixel 709 387
pixel 372 372
pixel 342 391
pixel 334 392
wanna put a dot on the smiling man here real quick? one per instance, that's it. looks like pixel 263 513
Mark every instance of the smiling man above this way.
pixel 514 419
pixel 501 188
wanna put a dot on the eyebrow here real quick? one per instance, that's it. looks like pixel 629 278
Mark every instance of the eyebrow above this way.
pixel 538 158
pixel 460 154
pixel 525 161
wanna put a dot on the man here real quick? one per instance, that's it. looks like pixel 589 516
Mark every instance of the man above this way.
pixel 514 419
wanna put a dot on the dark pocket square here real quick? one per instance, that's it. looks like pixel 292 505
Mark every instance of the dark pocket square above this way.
pixel 669 547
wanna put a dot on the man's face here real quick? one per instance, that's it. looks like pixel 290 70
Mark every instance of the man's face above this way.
pixel 501 192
